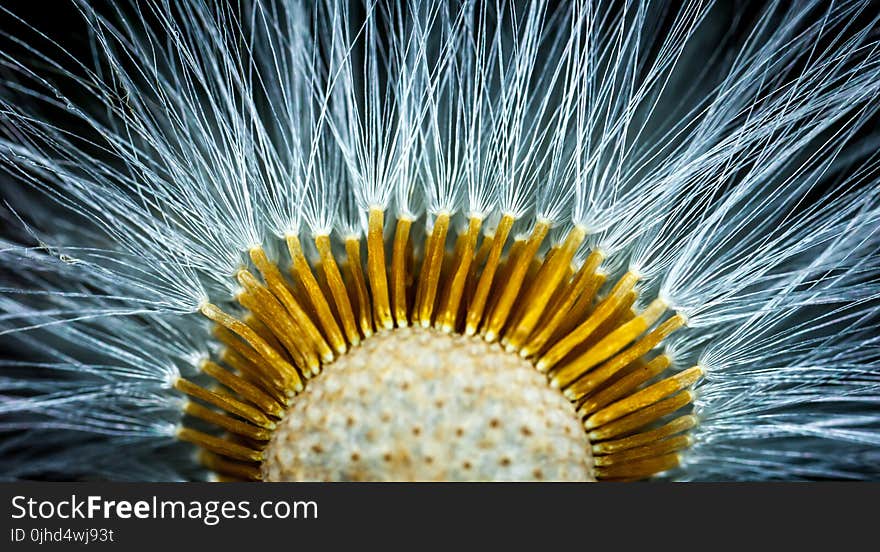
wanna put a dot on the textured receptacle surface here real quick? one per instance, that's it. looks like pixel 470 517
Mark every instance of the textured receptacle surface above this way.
pixel 418 404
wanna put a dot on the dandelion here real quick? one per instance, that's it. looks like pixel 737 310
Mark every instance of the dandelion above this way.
pixel 441 241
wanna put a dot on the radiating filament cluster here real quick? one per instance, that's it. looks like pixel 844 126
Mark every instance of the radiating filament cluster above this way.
pixel 540 302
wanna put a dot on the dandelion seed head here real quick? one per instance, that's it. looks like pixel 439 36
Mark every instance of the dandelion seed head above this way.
pixel 669 213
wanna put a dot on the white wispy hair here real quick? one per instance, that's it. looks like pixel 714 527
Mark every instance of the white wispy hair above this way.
pixel 729 159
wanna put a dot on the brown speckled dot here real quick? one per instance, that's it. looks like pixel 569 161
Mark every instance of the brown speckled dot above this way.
pixel 418 404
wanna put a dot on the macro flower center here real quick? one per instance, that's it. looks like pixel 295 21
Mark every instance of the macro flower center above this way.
pixel 416 404
pixel 493 357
